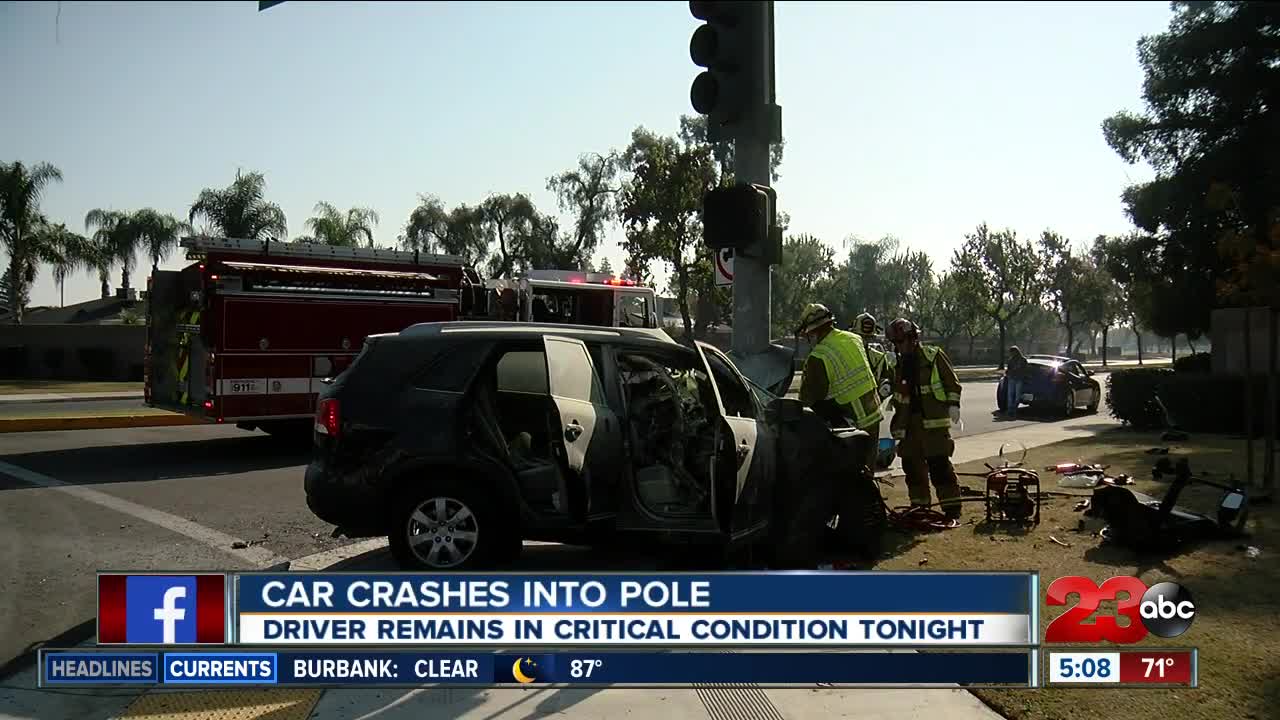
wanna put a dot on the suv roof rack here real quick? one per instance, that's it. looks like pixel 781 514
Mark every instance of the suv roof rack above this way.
pixel 271 248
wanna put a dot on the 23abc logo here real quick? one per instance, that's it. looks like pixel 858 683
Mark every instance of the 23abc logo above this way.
pixel 1164 609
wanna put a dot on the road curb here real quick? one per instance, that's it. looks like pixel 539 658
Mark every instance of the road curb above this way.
pixel 41 424
pixel 70 398
pixel 978 378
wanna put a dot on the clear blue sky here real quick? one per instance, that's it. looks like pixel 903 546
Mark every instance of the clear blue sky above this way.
pixel 913 119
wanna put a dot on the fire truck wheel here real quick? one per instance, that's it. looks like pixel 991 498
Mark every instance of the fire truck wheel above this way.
pixel 444 525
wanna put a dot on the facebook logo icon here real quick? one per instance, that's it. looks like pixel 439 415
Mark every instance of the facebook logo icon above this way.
pixel 160 609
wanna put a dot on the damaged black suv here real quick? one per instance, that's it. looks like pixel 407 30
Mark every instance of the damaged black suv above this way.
pixel 460 440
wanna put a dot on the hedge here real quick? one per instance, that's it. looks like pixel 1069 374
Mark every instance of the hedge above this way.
pixel 1194 363
pixel 1198 402
pixel 14 361
pixel 99 362
pixel 55 358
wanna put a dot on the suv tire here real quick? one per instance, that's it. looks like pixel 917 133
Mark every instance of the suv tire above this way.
pixel 862 517
pixel 458 519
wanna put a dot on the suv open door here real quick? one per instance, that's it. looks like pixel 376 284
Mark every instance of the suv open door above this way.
pixel 742 476
pixel 590 435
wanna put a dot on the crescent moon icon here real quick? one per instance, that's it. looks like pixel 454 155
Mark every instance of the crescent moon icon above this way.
pixel 519 675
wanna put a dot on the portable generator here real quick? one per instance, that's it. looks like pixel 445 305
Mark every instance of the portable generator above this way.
pixel 1013 495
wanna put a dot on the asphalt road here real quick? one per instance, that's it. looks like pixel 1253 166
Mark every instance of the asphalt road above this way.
pixel 177 498
pixel 215 484
pixel 979 401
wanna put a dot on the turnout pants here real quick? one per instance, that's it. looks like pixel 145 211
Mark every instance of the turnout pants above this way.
pixel 926 458
pixel 874 449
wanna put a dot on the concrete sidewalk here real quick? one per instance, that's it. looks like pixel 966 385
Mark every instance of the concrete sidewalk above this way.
pixel 53 420
pixel 69 397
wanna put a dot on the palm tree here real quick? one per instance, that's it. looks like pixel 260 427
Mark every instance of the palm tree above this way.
pixel 331 227
pixel 116 233
pixel 65 251
pixel 240 210
pixel 99 256
pixel 159 233
pixel 20 191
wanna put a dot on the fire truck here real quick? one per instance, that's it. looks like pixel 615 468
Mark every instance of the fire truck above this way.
pixel 247 333
pixel 572 297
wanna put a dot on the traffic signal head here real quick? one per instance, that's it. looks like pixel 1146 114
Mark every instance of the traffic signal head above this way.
pixel 733 46
pixel 738 217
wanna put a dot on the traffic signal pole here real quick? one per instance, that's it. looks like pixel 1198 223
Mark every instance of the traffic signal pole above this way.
pixel 752 287
pixel 736 94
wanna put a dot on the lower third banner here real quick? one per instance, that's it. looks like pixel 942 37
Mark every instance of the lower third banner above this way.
pixel 408 668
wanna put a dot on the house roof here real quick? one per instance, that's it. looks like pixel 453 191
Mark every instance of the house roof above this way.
pixel 92 312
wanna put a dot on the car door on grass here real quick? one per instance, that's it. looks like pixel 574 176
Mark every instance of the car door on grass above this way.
pixel 743 474
pixel 589 430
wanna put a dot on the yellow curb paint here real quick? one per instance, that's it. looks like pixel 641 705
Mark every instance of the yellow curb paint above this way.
pixel 273 704
pixel 97 422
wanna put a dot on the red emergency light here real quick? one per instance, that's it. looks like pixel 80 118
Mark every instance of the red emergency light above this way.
pixel 619 281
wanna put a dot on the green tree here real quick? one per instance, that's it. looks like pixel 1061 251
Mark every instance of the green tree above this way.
pixel 1004 273
pixel 21 188
pixel 1210 133
pixel 331 226
pixel 240 210
pixel 428 226
pixel 693 132
pixel 606 267
pixel 461 231
pixel 803 277
pixel 921 297
pixel 1113 308
pixel 1072 285
pixel 467 234
pixel 507 219
pixel 874 278
pixel 1159 304
pixel 959 311
pixel 589 193
pixel 715 302
pixel 661 206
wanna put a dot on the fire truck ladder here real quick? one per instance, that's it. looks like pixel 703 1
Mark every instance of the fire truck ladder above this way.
pixel 198 247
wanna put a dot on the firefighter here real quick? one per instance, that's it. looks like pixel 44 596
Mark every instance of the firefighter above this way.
pixel 838 383
pixel 881 363
pixel 926 402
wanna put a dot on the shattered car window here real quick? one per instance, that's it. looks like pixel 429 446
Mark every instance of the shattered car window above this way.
pixel 672 431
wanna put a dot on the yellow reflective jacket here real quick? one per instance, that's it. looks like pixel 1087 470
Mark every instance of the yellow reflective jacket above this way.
pixel 879 362
pixel 939 390
pixel 850 383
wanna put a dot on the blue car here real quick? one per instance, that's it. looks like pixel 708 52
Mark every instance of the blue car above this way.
pixel 1055 384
